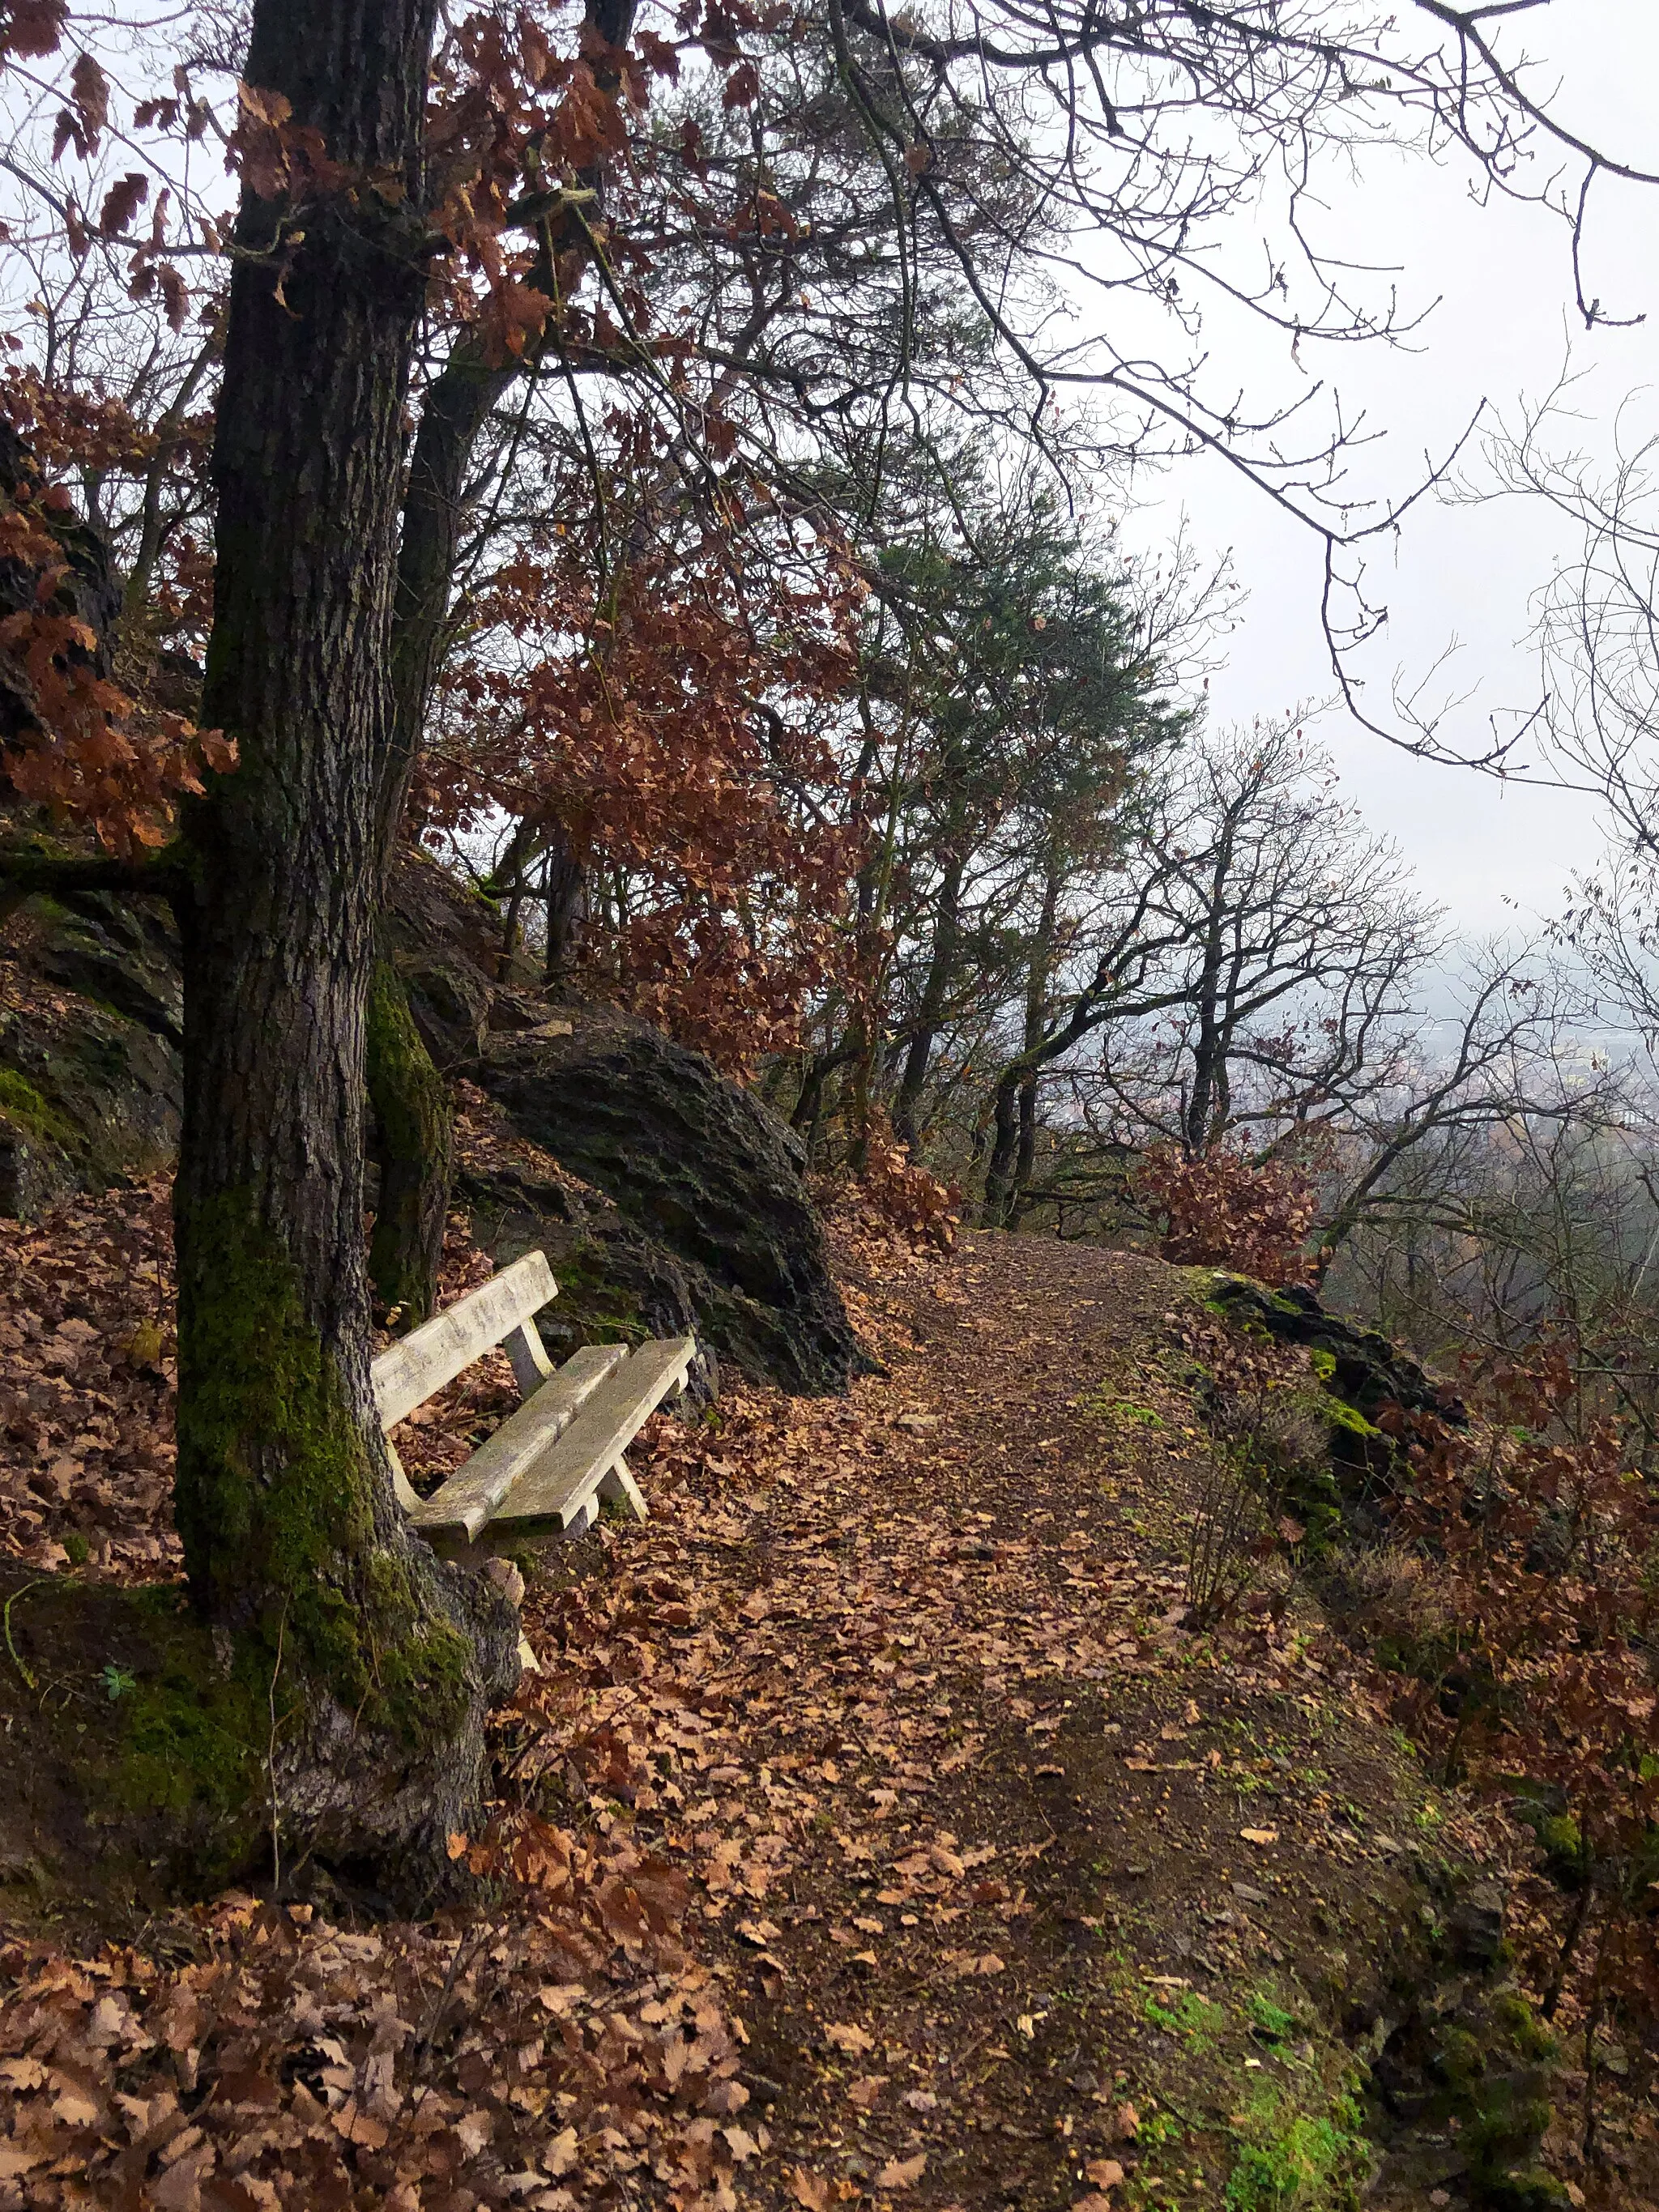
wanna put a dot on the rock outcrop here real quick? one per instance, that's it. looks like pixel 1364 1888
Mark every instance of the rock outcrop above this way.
pixel 1366 1369
pixel 695 1213
pixel 683 1207
pixel 701 1173
pixel 91 1022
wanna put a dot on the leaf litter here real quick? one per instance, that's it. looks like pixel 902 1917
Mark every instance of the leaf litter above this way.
pixel 869 1821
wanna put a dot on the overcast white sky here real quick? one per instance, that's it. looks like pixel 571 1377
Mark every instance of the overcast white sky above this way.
pixel 1501 330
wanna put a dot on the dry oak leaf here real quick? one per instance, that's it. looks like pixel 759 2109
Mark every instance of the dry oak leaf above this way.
pixel 1260 1835
pixel 847 2038
pixel 560 2155
pixel 358 2126
pixel 1094 2202
pixel 901 2173
pixel 864 2092
pixel 1104 2172
pixel 811 2190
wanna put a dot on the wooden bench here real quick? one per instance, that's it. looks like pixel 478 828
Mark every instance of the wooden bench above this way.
pixel 545 1469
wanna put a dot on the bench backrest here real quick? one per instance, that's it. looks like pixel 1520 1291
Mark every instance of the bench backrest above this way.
pixel 411 1370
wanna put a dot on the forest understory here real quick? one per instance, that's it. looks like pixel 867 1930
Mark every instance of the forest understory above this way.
pixel 874 1832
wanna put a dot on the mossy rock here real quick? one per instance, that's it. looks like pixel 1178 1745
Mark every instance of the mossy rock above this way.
pixel 1469 2064
pixel 594 1299
pixel 698 1169
pixel 1356 1364
pixel 90 1082
pixel 1522 2189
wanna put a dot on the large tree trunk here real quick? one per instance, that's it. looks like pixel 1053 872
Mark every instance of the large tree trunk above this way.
pixel 380 1662
pixel 458 409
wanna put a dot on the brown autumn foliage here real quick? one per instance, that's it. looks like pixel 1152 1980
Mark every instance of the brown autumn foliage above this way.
pixel 74 738
pixel 901 1193
pixel 510 115
pixel 651 715
pixel 1223 1210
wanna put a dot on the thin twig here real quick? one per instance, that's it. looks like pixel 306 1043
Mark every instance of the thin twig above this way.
pixel 270 1766
pixel 16 1657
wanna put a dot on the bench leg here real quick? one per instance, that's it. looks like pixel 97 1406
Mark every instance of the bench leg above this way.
pixel 400 1482
pixel 531 1365
pixel 618 1485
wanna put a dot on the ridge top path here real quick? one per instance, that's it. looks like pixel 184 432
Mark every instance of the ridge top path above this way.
pixel 899 1678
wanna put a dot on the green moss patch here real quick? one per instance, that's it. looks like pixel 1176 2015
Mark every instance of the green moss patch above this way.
pixel 138 1755
pixel 1105 1405
pixel 23 1106
pixel 1297 2155
pixel 274 1492
pixel 590 1295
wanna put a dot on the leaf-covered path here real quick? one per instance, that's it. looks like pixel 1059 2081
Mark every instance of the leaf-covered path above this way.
pixel 1003 1873
pixel 874 1832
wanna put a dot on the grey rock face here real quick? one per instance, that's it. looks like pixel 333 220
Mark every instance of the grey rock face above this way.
pixel 706 1178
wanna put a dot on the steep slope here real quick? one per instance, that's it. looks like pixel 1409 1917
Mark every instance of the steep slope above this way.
pixel 888 1837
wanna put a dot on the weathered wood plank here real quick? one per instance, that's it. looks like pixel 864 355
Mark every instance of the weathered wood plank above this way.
pixel 474 1492
pixel 561 1484
pixel 409 1372
pixel 400 1482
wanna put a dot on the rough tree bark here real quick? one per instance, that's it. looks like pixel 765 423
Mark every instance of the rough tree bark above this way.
pixel 457 410
pixel 383 1660
pixel 563 886
pixel 414 1149
pixel 1013 1149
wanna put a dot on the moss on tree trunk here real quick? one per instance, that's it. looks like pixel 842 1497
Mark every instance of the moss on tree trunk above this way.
pixel 415 1147
pixel 381 1661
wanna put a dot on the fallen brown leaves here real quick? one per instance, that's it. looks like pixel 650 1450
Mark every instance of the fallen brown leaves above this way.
pixel 87 1378
pixel 562 2045
pixel 816 1784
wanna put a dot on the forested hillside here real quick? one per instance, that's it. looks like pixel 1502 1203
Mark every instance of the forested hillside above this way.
pixel 805 1402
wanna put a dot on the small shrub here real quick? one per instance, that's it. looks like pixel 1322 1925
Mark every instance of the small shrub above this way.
pixel 1269 1473
pixel 1225 1211
pixel 1288 2159
pixel 905 1195
pixel 1541 1545
pixel 1228 1537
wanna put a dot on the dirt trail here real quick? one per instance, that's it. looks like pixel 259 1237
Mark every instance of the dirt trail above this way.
pixel 1020 1892
pixel 882 1836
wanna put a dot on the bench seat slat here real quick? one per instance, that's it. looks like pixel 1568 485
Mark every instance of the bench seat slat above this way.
pixel 464 1504
pixel 411 1370
pixel 550 1494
